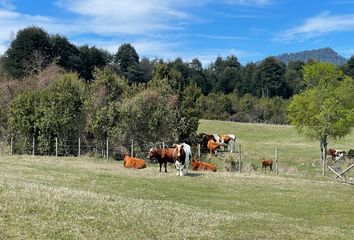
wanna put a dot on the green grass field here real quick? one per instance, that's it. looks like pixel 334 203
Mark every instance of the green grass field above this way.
pixel 87 198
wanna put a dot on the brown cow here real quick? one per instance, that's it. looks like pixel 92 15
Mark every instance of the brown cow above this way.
pixel 202 166
pixel 165 155
pixel 130 162
pixel 213 146
pixel 267 163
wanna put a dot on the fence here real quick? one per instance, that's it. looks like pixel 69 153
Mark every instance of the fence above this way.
pixel 109 149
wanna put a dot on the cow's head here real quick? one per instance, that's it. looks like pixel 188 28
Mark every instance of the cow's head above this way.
pixel 151 153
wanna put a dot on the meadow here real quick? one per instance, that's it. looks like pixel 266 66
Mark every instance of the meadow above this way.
pixel 91 198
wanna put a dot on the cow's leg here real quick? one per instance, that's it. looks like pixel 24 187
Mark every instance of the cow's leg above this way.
pixel 271 169
pixel 181 170
pixel 160 166
pixel 165 163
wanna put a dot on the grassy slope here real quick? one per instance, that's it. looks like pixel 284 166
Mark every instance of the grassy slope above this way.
pixel 79 198
pixel 260 140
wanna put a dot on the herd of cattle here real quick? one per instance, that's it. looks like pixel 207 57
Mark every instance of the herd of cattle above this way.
pixel 181 155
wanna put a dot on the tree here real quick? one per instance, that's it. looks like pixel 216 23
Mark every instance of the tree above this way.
pixel 326 108
pixel 106 94
pixel 127 60
pixel 28 42
pixel 60 112
pixel 270 75
pixel 65 53
pixel 91 57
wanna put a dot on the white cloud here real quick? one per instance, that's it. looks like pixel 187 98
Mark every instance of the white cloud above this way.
pixel 129 17
pixel 317 26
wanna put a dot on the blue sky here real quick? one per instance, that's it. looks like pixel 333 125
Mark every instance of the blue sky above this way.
pixel 204 29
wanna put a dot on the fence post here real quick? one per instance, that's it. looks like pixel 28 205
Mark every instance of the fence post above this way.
pixel 56 147
pixel 198 150
pixel 276 161
pixel 79 148
pixel 33 147
pixel 107 148
pixel 12 147
pixel 163 144
pixel 132 149
pixel 240 159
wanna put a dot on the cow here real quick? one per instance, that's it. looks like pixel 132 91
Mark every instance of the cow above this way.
pixel 267 163
pixel 171 155
pixel 130 162
pixel 222 139
pixel 188 156
pixel 213 146
pixel 202 166
pixel 336 154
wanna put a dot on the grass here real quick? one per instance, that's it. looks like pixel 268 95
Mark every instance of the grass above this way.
pixel 297 154
pixel 87 198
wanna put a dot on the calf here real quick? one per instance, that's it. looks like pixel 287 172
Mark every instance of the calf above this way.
pixel 130 162
pixel 267 163
pixel 213 146
pixel 202 166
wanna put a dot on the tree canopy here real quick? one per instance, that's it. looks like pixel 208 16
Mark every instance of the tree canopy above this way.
pixel 326 108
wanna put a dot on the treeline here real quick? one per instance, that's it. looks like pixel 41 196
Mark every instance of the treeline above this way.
pixel 52 88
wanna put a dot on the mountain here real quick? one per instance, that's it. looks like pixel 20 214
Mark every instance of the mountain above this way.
pixel 322 55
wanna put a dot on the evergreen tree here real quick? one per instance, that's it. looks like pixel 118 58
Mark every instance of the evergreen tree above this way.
pixel 30 47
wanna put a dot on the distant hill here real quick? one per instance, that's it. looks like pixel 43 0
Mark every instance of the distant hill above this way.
pixel 322 55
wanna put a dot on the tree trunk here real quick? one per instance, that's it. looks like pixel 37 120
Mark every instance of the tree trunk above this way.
pixel 323 146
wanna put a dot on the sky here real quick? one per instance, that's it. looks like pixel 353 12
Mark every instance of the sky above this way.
pixel 251 30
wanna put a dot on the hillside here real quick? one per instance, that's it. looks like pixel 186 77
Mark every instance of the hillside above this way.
pixel 322 55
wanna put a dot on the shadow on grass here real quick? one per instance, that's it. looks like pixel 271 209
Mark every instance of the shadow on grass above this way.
pixel 193 174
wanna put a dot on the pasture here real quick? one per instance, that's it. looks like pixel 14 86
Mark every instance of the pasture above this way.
pixel 88 198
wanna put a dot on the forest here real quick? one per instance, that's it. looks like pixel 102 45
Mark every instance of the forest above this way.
pixel 51 88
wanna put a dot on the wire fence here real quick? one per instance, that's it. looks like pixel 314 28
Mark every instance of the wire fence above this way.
pixel 108 148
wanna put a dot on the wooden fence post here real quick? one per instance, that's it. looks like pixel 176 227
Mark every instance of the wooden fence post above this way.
pixel 33 147
pixel 56 147
pixel 107 148
pixel 240 159
pixel 198 150
pixel 79 148
pixel 12 145
pixel 276 161
pixel 132 149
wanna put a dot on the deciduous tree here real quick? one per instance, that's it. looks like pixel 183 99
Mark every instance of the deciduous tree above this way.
pixel 326 108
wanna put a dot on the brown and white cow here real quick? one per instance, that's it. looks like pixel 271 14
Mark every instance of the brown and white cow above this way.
pixel 336 154
pixel 130 162
pixel 203 166
pixel 180 165
pixel 171 155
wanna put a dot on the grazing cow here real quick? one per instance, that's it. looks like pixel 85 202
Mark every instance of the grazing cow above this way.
pixel 336 154
pixel 213 146
pixel 202 166
pixel 188 156
pixel 165 155
pixel 130 162
pixel 267 163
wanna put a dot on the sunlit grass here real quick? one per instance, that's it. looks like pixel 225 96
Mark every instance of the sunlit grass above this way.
pixel 88 198
pixel 78 198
